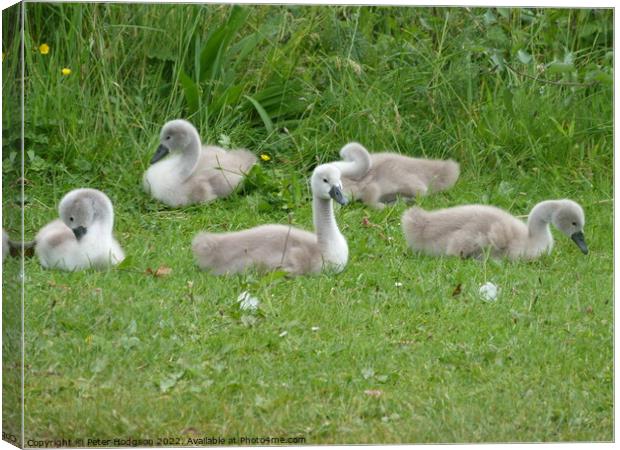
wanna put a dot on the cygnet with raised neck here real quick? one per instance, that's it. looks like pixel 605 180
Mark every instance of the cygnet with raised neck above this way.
pixel 283 247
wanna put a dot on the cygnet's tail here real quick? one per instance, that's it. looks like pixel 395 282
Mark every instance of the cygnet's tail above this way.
pixel 15 248
pixel 356 162
pixel 245 159
pixel 413 223
pixel 203 247
pixel 446 174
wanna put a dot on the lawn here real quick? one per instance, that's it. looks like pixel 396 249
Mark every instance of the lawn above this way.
pixel 399 348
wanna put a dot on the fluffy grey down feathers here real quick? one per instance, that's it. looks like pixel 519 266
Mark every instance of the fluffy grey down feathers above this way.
pixel 272 247
pixel 192 173
pixel 378 178
pixel 469 230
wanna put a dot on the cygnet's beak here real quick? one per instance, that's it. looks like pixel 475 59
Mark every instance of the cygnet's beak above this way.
pixel 580 240
pixel 79 232
pixel 336 193
pixel 162 151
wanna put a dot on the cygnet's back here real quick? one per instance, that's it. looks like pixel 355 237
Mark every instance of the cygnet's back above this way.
pixel 436 174
pixel 219 171
pixel 266 247
pixel 464 231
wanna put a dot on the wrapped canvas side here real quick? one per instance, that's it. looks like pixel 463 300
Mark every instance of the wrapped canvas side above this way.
pixel 12 223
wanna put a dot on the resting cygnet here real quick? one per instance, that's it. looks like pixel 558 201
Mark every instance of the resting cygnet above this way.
pixel 82 237
pixel 378 178
pixel 271 247
pixel 193 173
pixel 466 231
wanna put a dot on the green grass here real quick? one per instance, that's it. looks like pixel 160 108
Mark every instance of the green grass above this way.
pixel 121 353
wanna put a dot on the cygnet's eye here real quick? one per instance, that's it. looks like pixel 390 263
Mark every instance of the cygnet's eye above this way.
pixel 168 137
pixel 71 219
pixel 575 224
pixel 325 180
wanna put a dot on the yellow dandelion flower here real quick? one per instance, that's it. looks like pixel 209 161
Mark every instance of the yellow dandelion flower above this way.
pixel 44 49
pixel 66 71
pixel 265 157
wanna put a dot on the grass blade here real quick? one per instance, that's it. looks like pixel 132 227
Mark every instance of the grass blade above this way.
pixel 262 113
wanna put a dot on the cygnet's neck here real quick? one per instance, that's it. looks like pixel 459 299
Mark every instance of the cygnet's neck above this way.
pixel 350 169
pixel 538 222
pixel 357 161
pixel 189 155
pixel 331 242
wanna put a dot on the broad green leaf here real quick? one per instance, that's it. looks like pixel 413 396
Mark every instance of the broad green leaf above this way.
pixel 280 98
pixel 230 96
pixel 245 46
pixel 190 89
pixel 209 53
pixel 215 71
pixel 215 47
pixel 262 113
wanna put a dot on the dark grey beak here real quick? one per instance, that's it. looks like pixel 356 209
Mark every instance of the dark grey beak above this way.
pixel 162 151
pixel 79 232
pixel 337 195
pixel 580 240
